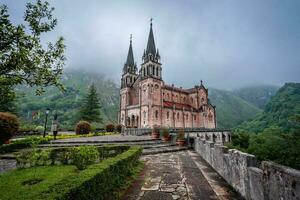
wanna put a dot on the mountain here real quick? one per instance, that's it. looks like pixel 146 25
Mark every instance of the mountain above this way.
pixel 67 103
pixel 259 96
pixel 283 110
pixel 231 110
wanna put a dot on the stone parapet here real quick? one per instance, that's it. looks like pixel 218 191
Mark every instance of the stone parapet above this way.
pixel 244 173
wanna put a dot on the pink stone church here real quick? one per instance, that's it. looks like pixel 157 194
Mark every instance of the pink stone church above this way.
pixel 147 101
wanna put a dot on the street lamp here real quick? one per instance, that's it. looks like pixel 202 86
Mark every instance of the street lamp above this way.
pixel 47 113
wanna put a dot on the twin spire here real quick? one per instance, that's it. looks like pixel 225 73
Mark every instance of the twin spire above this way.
pixel 150 53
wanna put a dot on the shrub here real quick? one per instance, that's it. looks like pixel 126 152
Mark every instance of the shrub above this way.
pixel 119 128
pixel 39 129
pixel 9 126
pixel 110 128
pixel 84 156
pixel 83 127
pixel 109 175
pixel 180 135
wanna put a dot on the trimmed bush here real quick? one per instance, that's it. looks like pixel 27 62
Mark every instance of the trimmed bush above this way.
pixel 84 156
pixel 83 127
pixel 9 125
pixel 39 129
pixel 119 128
pixel 107 177
pixel 110 128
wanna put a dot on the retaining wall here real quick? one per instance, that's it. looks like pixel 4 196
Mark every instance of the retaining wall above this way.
pixel 268 181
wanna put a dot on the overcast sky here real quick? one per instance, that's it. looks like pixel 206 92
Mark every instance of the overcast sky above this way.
pixel 227 43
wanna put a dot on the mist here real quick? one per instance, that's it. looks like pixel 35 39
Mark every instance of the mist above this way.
pixel 227 44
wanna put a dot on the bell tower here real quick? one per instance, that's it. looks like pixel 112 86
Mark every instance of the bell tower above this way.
pixel 151 66
pixel 129 70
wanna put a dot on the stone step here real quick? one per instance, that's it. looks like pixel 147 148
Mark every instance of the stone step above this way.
pixel 148 144
pixel 103 141
pixel 159 150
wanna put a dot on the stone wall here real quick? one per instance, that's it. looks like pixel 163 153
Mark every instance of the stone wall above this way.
pixel 252 180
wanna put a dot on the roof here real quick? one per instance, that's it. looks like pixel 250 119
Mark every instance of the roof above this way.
pixel 179 106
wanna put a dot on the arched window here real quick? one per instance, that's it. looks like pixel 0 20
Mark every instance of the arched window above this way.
pixel 168 96
pixel 144 72
pixel 156 114
pixel 178 116
pixel 167 114
pixel 153 70
pixel 210 117
pixel 156 71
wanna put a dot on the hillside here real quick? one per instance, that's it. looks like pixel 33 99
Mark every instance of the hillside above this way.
pixel 231 109
pixel 282 111
pixel 258 96
pixel 67 103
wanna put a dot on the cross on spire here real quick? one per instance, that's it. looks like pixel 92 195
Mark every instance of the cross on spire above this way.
pixel 151 19
pixel 130 38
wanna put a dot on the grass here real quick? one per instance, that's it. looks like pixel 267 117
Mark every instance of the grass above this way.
pixel 12 187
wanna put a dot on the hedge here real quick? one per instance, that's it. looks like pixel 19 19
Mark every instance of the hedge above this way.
pixel 99 181
pixel 23 143
pixel 63 155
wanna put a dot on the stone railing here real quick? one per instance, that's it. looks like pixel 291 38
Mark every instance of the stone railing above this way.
pixel 214 135
pixel 136 131
pixel 244 173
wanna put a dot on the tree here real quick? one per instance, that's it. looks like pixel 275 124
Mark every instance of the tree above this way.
pixel 23 58
pixel 90 110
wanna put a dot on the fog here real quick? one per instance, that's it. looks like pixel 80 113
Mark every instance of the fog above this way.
pixel 228 44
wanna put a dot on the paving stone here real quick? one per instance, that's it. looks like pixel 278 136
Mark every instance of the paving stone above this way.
pixel 156 195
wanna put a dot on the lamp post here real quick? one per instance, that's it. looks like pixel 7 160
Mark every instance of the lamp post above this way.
pixel 47 113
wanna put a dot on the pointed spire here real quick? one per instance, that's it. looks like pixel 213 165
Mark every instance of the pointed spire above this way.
pixel 130 59
pixel 151 44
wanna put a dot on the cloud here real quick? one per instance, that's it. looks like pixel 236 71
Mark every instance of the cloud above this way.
pixel 228 44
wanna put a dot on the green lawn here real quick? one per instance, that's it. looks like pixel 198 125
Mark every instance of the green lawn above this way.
pixel 11 186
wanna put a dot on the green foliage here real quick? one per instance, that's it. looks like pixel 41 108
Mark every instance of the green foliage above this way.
pixel 240 140
pixel 109 175
pixel 281 111
pixel 24 60
pixel 274 134
pixel 83 127
pixel 23 143
pixel 39 129
pixel 33 158
pixel 84 156
pixel 9 126
pixel 231 110
pixel 110 128
pixel 90 109
pixel 67 103
pixel 8 100
pixel 258 96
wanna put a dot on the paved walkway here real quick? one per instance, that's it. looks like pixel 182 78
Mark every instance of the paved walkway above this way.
pixel 177 176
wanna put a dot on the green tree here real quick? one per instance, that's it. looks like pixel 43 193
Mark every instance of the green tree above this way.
pixel 23 57
pixel 90 109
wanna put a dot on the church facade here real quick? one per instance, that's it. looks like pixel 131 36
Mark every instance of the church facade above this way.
pixel 147 101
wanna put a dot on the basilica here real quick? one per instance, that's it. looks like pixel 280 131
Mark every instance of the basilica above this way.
pixel 147 101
